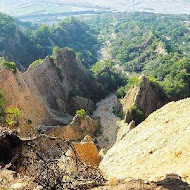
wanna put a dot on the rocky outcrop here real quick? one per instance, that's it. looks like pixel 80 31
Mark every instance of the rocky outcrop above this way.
pixel 77 129
pixel 157 147
pixel 51 92
pixel 147 97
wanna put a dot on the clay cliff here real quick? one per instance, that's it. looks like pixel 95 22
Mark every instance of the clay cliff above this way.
pixel 157 147
pixel 147 96
pixel 51 92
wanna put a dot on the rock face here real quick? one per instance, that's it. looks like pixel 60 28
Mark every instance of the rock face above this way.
pixel 148 97
pixel 77 129
pixel 157 147
pixel 51 92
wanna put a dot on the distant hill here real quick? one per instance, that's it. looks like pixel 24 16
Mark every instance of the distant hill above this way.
pixel 21 44
pixel 41 10
pixel 53 11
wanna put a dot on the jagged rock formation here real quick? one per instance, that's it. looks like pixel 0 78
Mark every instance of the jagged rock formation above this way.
pixel 77 129
pixel 148 97
pixel 157 147
pixel 52 91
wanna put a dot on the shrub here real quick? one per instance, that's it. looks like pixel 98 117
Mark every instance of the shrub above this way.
pixel 118 113
pixel 13 116
pixel 137 114
pixel 9 65
pixel 81 113
pixel 37 62
pixel 121 92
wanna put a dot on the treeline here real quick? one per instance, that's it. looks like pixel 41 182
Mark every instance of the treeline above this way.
pixel 23 43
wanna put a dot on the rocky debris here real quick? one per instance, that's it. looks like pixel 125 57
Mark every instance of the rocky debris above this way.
pixel 108 121
pixel 77 129
pixel 51 92
pixel 44 161
pixel 148 97
pixel 166 184
pixel 12 180
pixel 157 147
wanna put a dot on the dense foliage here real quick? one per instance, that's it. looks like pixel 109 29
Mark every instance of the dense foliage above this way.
pixel 156 45
pixel 106 74
pixel 24 44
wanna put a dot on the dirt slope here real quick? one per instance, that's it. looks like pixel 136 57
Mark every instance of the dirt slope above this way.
pixel 155 148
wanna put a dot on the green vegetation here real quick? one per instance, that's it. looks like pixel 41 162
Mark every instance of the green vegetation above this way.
pixel 9 116
pixel 26 44
pixel 153 44
pixel 132 81
pixel 118 113
pixel 37 62
pixel 13 115
pixel 137 114
pixel 81 113
pixel 6 64
pixel 108 76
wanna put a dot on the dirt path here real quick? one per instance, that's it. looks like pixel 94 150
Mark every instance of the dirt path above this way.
pixel 108 120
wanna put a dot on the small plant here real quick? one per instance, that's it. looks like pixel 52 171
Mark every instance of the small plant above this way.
pixel 137 114
pixel 9 65
pixel 13 116
pixel 81 113
pixel 37 62
pixel 118 113
pixel 121 92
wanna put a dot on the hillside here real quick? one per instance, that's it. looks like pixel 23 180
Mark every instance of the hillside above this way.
pixel 155 148
pixel 156 45
pixel 21 43
pixel 50 92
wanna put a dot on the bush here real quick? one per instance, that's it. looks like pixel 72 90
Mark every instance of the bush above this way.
pixel 37 62
pixel 13 116
pixel 81 113
pixel 9 65
pixel 137 114
pixel 121 92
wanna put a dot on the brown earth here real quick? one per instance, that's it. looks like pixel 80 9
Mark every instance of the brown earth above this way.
pixel 51 92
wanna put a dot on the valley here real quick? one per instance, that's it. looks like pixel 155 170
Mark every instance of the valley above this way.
pixel 95 103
